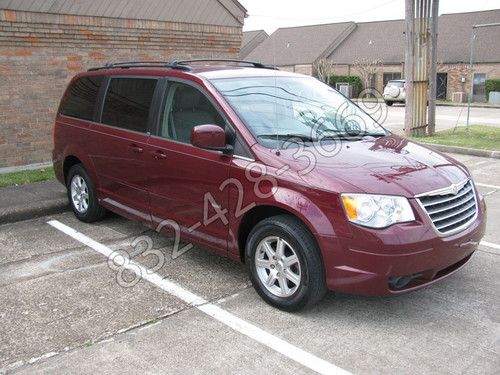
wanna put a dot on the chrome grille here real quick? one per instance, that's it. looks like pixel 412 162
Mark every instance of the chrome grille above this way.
pixel 448 211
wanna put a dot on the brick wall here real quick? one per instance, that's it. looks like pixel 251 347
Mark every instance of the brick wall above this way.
pixel 457 71
pixel 39 53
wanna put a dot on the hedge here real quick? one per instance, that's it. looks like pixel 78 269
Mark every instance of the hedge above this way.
pixel 491 85
pixel 355 82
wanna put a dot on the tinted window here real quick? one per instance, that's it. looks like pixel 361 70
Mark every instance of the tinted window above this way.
pixel 187 107
pixel 81 98
pixel 127 103
pixel 396 83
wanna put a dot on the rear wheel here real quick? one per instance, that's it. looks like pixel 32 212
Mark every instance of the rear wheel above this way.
pixel 389 103
pixel 81 195
pixel 285 264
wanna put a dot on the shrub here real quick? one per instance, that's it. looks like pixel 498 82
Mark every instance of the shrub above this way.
pixel 492 85
pixel 354 81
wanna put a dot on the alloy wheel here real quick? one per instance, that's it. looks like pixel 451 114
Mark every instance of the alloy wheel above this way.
pixel 79 194
pixel 278 266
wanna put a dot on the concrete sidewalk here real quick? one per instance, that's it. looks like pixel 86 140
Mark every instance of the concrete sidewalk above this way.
pixel 29 201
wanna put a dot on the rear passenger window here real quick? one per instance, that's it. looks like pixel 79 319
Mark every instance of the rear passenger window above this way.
pixel 128 102
pixel 81 98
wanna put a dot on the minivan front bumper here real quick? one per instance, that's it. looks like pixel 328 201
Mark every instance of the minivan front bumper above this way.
pixel 398 259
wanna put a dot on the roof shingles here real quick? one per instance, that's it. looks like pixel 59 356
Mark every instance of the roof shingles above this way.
pixel 300 45
pixel 250 40
pixel 385 41
pixel 207 12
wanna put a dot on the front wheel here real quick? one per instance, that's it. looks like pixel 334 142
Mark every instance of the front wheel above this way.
pixel 285 264
pixel 82 196
pixel 389 103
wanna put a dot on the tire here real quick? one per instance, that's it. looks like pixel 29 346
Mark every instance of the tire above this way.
pixel 84 205
pixel 389 103
pixel 307 270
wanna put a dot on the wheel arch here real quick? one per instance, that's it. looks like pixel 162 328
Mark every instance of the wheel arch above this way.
pixel 68 162
pixel 74 155
pixel 263 211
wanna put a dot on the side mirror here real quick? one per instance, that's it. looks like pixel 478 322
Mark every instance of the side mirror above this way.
pixel 210 137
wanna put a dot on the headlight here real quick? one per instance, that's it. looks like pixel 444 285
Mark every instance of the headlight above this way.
pixel 377 211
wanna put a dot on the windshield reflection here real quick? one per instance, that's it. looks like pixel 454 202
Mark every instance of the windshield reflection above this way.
pixel 278 108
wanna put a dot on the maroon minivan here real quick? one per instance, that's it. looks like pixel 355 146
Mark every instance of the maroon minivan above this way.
pixel 271 168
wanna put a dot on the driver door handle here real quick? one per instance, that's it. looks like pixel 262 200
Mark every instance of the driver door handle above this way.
pixel 135 148
pixel 158 155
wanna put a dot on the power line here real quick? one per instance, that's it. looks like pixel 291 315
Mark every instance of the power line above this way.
pixel 323 19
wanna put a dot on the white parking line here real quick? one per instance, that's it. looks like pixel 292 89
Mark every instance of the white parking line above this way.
pixel 490 245
pixel 487 185
pixel 288 350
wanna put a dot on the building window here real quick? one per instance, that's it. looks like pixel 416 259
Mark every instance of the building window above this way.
pixel 389 76
pixel 442 86
pixel 478 87
pixel 372 80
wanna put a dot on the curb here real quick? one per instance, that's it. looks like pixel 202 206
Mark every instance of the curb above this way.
pixel 32 211
pixel 477 105
pixel 464 150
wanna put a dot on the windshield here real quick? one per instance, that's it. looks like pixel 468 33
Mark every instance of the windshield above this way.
pixel 277 108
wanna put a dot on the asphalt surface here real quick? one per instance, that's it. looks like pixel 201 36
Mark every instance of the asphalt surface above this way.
pixel 446 116
pixel 63 311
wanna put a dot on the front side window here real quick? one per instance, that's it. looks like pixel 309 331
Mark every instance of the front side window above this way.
pixel 185 108
pixel 127 103
pixel 276 109
pixel 81 98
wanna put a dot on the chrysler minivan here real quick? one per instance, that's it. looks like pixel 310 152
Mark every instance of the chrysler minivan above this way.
pixel 270 168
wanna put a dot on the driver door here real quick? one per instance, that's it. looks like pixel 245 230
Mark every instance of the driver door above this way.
pixel 184 180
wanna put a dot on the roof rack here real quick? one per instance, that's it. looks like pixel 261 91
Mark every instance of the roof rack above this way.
pixel 142 64
pixel 179 64
pixel 253 63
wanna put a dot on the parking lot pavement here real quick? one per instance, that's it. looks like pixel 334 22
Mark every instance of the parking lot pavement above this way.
pixel 446 117
pixel 63 310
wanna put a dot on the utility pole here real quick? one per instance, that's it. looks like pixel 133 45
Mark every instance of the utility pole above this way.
pixel 409 16
pixel 417 64
pixel 431 113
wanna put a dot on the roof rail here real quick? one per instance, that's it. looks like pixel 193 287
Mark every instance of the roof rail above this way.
pixel 142 64
pixel 253 63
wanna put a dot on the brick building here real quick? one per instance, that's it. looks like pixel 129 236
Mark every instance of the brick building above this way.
pixel 298 48
pixel 44 43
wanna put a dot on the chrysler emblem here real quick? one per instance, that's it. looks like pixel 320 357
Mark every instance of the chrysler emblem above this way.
pixel 454 189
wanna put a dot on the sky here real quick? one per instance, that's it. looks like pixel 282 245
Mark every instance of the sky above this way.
pixel 272 14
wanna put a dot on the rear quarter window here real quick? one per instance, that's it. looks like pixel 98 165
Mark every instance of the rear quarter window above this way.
pixel 81 97
pixel 127 103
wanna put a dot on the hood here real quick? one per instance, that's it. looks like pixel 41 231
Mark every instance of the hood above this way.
pixel 388 165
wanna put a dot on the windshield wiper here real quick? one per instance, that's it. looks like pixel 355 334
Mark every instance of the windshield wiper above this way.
pixel 343 135
pixel 302 137
pixel 375 135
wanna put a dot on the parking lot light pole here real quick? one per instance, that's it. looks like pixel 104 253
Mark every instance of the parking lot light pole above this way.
pixel 471 61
